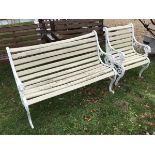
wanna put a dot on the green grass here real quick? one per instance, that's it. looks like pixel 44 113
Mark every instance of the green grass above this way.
pixel 89 110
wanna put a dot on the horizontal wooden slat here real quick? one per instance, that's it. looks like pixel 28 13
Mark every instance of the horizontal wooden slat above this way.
pixel 119 27
pixel 28 71
pixel 60 73
pixel 67 36
pixel 62 22
pixel 17 28
pixel 120 32
pixel 129 44
pixel 27 38
pixel 25 32
pixel 64 76
pixel 19 39
pixel 20 44
pixel 77 31
pixel 3 57
pixel 55 85
pixel 6 40
pixel 59 54
pixel 2 50
pixel 53 47
pixel 17 34
pixel 121 41
pixel 76 25
pixel 72 87
pixel 136 64
pixel 134 59
pixel 127 53
pixel 3 46
pixel 49 71
pixel 14 50
pixel 123 49
pixel 48 60
pixel 28 43
pixel 6 34
pixel 120 37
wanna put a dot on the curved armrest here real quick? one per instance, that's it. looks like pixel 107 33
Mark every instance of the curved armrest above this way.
pixel 147 48
pixel 121 56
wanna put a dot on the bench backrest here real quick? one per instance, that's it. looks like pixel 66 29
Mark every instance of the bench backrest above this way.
pixel 41 62
pixel 120 37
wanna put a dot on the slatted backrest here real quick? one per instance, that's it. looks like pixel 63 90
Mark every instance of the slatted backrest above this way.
pixel 42 61
pixel 120 38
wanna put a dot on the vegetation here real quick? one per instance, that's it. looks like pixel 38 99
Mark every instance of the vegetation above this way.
pixel 89 110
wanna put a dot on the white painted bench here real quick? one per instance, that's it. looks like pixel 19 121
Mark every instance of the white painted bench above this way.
pixel 121 43
pixel 47 70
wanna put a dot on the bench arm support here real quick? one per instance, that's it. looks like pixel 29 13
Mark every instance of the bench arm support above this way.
pixel 110 49
pixel 109 57
pixel 121 55
pixel 147 49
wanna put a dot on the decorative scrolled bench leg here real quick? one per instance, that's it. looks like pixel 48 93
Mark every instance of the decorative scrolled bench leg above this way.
pixel 144 67
pixel 121 71
pixel 113 79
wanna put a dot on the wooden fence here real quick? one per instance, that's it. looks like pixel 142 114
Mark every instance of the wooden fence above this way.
pixel 18 36
pixel 68 28
pixel 29 34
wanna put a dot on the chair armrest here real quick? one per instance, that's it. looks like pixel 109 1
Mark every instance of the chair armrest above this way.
pixel 147 49
pixel 121 56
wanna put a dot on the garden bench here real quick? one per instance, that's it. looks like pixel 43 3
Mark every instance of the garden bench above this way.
pixel 125 49
pixel 47 70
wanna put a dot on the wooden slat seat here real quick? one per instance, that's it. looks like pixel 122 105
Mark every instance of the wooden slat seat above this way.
pixel 121 43
pixel 47 70
pixel 132 58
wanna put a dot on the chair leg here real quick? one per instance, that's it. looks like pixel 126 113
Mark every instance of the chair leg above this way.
pixel 121 71
pixel 143 68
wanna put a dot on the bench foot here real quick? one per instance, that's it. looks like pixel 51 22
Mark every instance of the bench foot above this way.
pixel 24 102
pixel 29 116
pixel 143 68
pixel 121 71
pixel 113 79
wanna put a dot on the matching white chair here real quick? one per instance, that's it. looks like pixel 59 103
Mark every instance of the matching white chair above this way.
pixel 125 50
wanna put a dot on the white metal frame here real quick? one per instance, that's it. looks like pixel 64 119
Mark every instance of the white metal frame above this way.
pixel 119 64
pixel 110 64
pixel 20 87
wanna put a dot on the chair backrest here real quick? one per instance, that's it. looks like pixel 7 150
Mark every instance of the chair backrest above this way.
pixel 120 37
pixel 44 61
